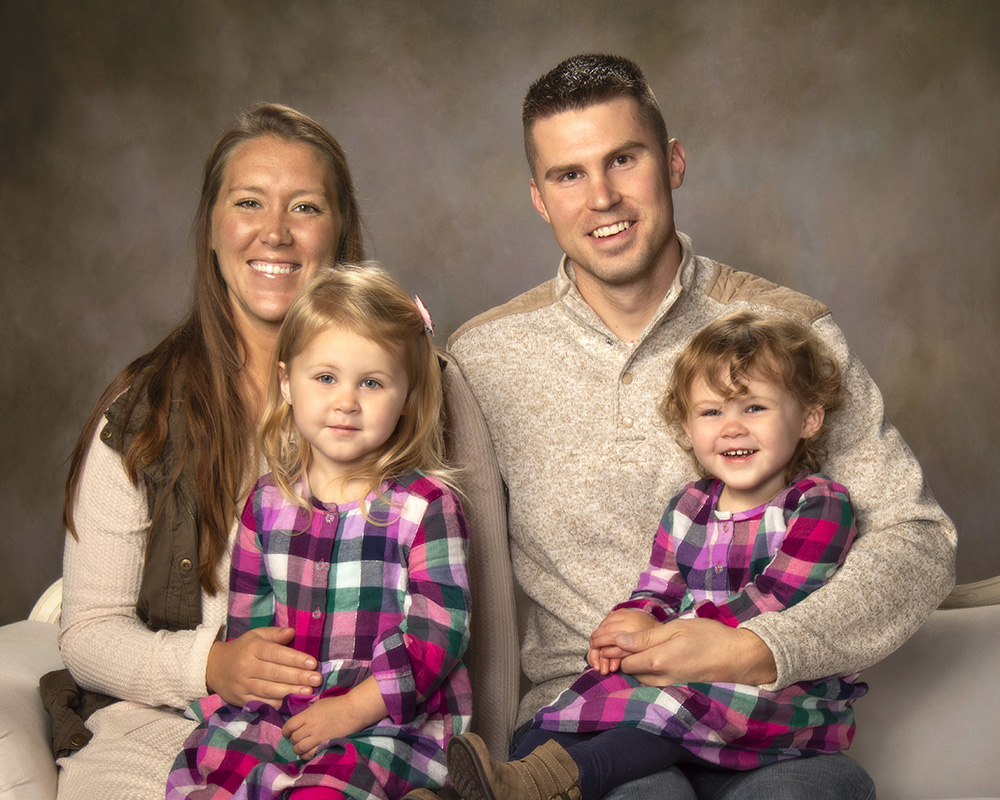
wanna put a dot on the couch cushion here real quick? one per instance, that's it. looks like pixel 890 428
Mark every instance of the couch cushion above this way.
pixel 28 650
pixel 927 728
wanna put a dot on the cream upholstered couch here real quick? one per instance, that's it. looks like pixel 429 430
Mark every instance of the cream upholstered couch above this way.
pixel 927 729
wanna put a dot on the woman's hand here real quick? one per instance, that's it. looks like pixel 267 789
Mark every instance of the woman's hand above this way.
pixel 259 665
pixel 335 717
pixel 696 650
pixel 604 655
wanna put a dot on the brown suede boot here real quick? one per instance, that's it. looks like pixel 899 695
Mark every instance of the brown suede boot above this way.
pixel 426 794
pixel 547 773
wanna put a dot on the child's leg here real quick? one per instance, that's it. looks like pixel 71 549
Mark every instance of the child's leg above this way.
pixel 608 759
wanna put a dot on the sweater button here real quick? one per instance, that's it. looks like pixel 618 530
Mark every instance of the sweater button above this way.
pixel 79 739
pixel 627 422
pixel 186 565
pixel 627 378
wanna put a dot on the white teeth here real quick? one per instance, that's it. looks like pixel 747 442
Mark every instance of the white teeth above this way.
pixel 271 269
pixel 611 230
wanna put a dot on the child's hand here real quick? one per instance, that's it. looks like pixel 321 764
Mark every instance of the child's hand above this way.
pixel 335 717
pixel 308 729
pixel 604 655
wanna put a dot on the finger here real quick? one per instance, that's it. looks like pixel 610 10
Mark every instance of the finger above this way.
pixel 283 656
pixel 603 639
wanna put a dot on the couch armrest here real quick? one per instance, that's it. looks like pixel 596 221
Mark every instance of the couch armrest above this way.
pixel 28 650
pixel 926 727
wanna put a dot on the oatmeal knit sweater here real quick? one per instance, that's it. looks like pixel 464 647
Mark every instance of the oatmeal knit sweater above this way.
pixel 589 468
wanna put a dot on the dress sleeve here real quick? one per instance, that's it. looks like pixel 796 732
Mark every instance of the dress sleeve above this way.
pixel 103 642
pixel 902 564
pixel 661 586
pixel 413 659
pixel 251 595
pixel 818 534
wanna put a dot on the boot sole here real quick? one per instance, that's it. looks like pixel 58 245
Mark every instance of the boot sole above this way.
pixel 466 771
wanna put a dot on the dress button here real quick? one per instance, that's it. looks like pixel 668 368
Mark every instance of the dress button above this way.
pixel 186 565
pixel 316 614
pixel 321 566
pixel 330 516
pixel 627 378
pixel 627 422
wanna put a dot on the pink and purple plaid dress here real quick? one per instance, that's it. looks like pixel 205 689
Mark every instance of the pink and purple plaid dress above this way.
pixel 386 596
pixel 730 567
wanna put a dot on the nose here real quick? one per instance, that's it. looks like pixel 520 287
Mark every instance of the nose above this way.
pixel 603 195
pixel 275 230
pixel 732 425
pixel 346 399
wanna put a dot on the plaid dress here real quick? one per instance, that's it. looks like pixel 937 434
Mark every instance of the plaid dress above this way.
pixel 386 596
pixel 730 567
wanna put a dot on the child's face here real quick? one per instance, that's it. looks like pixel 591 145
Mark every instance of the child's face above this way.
pixel 748 440
pixel 347 394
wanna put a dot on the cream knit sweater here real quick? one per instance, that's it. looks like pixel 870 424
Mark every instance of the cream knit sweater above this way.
pixel 109 649
pixel 589 468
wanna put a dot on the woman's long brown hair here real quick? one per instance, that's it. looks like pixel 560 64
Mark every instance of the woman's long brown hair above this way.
pixel 207 353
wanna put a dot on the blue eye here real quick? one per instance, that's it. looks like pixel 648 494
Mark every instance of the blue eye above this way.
pixel 370 383
pixel 325 378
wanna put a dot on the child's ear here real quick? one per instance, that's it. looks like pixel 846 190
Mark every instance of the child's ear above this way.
pixel 283 382
pixel 813 421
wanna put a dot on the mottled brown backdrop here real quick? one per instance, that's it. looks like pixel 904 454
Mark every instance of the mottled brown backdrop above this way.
pixel 848 149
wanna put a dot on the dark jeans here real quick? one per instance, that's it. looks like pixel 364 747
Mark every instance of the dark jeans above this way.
pixel 829 777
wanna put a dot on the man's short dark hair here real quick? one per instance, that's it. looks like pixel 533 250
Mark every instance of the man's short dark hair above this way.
pixel 582 81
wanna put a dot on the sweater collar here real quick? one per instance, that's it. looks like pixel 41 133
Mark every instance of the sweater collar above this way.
pixel 568 294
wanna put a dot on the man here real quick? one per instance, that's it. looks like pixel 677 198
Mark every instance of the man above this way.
pixel 569 376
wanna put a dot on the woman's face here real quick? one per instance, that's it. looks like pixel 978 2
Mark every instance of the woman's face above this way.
pixel 275 222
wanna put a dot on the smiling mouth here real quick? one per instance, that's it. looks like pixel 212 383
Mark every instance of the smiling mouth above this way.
pixel 267 268
pixel 611 230
pixel 738 453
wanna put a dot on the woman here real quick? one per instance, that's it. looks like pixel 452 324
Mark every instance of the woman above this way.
pixel 167 456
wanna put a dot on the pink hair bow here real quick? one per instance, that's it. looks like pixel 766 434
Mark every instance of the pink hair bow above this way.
pixel 425 314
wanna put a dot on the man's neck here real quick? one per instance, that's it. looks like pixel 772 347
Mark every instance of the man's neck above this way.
pixel 627 308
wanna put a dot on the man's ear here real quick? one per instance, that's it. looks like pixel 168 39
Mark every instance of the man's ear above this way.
pixel 676 163
pixel 538 202
pixel 813 421
pixel 283 382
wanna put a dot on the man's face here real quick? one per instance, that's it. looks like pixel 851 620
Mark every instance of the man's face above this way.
pixel 603 184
